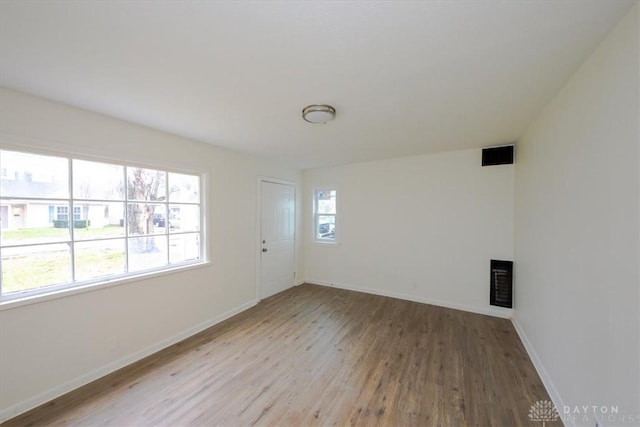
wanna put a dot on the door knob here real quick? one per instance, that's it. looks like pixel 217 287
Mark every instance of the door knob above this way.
pixel 264 249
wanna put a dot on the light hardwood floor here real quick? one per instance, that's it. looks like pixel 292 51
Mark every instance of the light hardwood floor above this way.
pixel 320 356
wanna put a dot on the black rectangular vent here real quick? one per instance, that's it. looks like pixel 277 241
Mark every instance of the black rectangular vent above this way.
pixel 497 156
pixel 501 283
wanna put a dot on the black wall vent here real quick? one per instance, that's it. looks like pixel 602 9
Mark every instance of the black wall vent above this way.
pixel 497 156
pixel 501 283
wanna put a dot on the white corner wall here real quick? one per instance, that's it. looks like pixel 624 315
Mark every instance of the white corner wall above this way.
pixel 54 346
pixel 422 228
pixel 577 230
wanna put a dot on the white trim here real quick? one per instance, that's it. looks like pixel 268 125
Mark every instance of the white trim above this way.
pixel 542 372
pixel 260 180
pixel 323 243
pixel 504 313
pixel 92 287
pixel 57 391
pixel 276 181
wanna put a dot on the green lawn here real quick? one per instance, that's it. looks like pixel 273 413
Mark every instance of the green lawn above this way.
pixel 41 266
pixel 51 234
pixel 40 269
pixel 31 233
pixel 32 267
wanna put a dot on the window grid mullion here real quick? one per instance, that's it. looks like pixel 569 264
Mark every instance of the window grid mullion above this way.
pixel 168 214
pixel 52 199
pixel 125 222
pixel 71 222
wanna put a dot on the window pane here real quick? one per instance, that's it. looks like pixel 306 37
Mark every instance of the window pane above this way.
pixel 184 247
pixel 326 227
pixel 326 202
pixel 147 252
pixel 144 218
pixel 94 180
pixel 30 175
pixel 32 267
pixel 184 188
pixel 184 218
pixel 99 220
pixel 33 221
pixel 96 259
pixel 146 184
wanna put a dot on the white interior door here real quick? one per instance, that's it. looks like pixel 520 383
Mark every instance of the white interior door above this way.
pixel 277 262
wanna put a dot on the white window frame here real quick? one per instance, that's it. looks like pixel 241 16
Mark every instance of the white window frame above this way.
pixel 316 216
pixel 74 286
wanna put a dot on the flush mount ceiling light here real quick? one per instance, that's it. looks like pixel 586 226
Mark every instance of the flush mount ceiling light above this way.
pixel 319 113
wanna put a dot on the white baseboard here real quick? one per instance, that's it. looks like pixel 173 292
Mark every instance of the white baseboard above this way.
pixel 504 313
pixel 542 372
pixel 58 391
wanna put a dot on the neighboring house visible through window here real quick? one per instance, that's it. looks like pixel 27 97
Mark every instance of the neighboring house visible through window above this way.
pixel 324 215
pixel 126 220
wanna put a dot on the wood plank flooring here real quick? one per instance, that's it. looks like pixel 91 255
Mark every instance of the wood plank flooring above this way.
pixel 314 355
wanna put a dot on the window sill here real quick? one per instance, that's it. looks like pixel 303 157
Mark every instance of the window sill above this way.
pixel 61 293
pixel 324 243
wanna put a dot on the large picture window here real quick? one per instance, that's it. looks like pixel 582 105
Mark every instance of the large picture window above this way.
pixel 68 222
pixel 324 215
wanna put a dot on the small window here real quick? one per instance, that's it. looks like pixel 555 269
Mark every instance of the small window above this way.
pixel 62 213
pixel 325 212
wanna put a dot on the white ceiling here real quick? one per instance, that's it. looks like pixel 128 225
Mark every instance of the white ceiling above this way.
pixel 405 78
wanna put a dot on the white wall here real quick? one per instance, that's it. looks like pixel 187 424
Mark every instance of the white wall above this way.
pixel 576 231
pixel 422 228
pixel 53 346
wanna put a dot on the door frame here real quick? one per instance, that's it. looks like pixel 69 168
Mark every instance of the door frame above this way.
pixel 262 179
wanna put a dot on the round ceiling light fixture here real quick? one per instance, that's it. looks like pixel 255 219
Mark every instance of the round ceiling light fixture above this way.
pixel 318 113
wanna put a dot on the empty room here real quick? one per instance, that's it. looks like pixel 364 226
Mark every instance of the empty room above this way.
pixel 392 213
